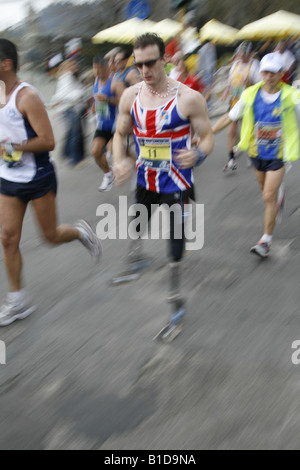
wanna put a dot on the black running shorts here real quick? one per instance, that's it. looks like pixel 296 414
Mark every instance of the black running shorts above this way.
pixel 29 191
pixel 267 165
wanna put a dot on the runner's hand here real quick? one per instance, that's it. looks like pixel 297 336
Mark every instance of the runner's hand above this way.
pixel 196 141
pixel 185 158
pixel 122 171
pixel 6 147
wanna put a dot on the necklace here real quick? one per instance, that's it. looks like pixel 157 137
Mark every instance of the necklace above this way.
pixel 161 95
pixel 10 91
pixel 3 99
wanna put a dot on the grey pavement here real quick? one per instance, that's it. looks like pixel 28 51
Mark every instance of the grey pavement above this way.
pixel 83 372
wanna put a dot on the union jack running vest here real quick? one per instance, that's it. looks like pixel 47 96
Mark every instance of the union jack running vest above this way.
pixel 158 134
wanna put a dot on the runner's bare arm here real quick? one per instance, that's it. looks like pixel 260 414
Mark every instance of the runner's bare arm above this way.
pixel 31 107
pixel 223 122
pixel 200 123
pixel 123 166
pixel 193 106
pixel 124 125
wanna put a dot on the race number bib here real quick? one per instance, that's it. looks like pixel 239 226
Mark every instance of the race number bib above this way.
pixel 11 157
pixel 102 110
pixel 156 153
pixel 268 135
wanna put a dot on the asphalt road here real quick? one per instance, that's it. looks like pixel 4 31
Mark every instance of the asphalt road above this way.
pixel 83 372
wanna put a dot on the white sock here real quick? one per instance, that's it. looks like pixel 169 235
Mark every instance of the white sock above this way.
pixel 82 234
pixel 17 297
pixel 266 238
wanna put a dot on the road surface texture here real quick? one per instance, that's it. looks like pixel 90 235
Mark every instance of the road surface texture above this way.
pixel 83 372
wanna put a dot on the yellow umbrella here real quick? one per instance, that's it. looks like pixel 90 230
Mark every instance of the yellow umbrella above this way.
pixel 125 32
pixel 279 25
pixel 218 32
pixel 190 35
pixel 167 28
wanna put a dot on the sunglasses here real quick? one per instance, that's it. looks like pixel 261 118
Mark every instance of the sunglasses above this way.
pixel 148 63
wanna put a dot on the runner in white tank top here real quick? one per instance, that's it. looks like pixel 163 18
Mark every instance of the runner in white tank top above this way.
pixel 27 175
pixel 15 128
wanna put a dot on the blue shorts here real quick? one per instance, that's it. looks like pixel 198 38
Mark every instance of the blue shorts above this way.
pixel 267 165
pixel 29 191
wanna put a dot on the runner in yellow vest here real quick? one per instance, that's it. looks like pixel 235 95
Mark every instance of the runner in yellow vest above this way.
pixel 270 133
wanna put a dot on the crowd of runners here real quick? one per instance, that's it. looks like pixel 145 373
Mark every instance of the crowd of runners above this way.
pixel 153 120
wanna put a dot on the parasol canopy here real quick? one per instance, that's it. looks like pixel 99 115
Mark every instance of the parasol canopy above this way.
pixel 167 28
pixel 218 32
pixel 279 25
pixel 125 32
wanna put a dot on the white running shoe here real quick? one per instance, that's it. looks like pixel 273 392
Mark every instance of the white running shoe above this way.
pixel 231 165
pixel 10 312
pixel 89 239
pixel 261 249
pixel 107 183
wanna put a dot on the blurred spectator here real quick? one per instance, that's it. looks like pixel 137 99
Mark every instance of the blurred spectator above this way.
pixel 288 59
pixel 68 99
pixel 297 47
pixel 292 47
pixel 53 64
pixel 243 73
pixel 110 57
pixel 172 47
pixel 207 62
pixel 73 48
pixel 176 61
pixel 263 48
pixel 190 80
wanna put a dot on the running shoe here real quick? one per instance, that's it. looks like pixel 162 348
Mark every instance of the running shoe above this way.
pixel 262 249
pixel 89 239
pixel 107 183
pixel 231 165
pixel 10 312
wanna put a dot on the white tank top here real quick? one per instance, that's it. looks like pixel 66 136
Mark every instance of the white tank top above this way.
pixel 14 128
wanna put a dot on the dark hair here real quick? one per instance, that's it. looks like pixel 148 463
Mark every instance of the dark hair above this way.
pixel 150 39
pixel 100 59
pixel 9 51
pixel 125 52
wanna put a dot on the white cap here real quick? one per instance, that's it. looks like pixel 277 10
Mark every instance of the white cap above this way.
pixel 55 61
pixel 271 63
